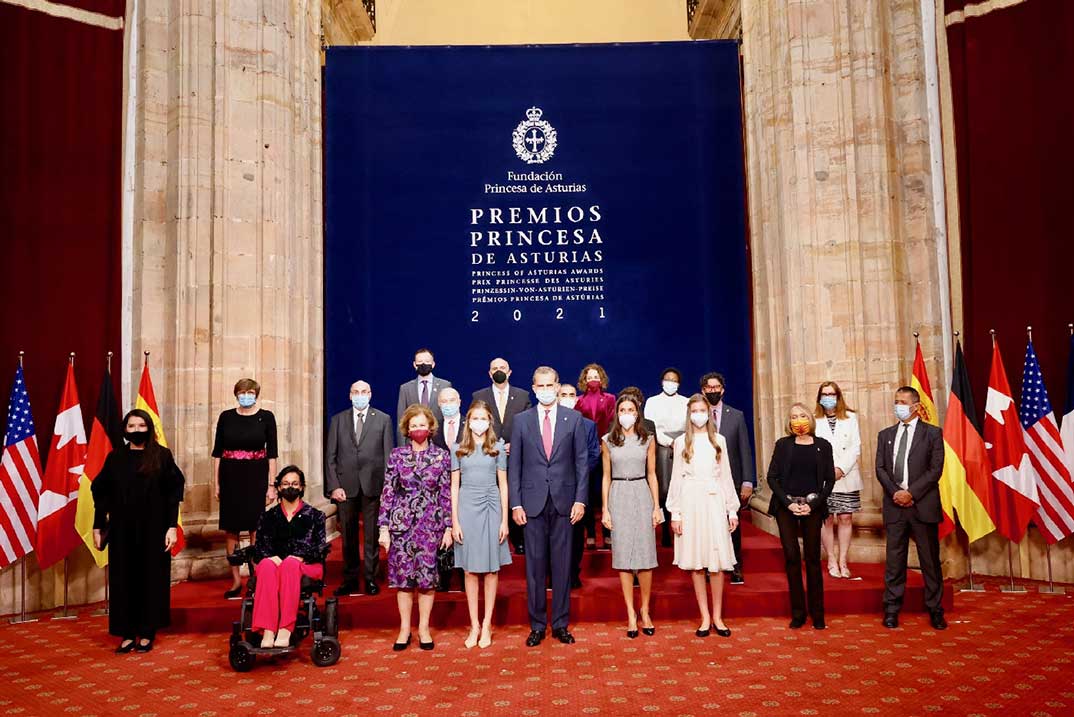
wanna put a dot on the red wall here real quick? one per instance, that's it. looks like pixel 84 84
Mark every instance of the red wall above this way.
pixel 61 90
pixel 1013 85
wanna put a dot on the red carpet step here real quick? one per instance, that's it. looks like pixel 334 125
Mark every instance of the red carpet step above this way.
pixel 200 606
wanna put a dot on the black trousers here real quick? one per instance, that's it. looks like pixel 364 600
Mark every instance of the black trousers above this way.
pixel 348 513
pixel 549 535
pixel 790 527
pixel 596 502
pixel 927 538
pixel 664 456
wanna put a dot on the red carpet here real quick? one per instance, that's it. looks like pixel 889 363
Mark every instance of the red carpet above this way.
pixel 200 606
pixel 1003 655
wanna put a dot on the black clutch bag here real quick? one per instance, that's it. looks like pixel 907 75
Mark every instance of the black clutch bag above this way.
pixel 445 560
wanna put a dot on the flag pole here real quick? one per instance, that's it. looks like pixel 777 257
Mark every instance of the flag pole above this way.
pixel 1050 588
pixel 101 612
pixel 64 614
pixel 22 616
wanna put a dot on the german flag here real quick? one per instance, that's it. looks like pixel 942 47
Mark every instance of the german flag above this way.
pixel 104 435
pixel 967 471
pixel 920 381
pixel 147 401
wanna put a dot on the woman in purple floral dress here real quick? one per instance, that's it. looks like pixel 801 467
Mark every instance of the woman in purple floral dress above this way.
pixel 415 519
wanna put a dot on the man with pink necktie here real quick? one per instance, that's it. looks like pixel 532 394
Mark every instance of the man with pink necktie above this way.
pixel 547 484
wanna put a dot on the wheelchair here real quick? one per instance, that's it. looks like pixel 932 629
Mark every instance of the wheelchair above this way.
pixel 322 624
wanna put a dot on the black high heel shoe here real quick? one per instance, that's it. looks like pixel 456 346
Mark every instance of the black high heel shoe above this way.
pixel 726 632
pixel 233 592
pixel 400 646
pixel 703 633
pixel 426 645
pixel 124 649
pixel 139 647
pixel 631 634
pixel 649 631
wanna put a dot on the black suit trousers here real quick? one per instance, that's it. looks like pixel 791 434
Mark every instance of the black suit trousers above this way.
pixel 347 514
pixel 927 538
pixel 790 526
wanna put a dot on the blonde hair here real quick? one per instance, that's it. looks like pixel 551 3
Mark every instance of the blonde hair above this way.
pixel 467 444
pixel 691 429
pixel 416 409
pixel 805 409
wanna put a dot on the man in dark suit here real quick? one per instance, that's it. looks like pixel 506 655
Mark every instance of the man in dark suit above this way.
pixel 506 402
pixel 449 434
pixel 731 424
pixel 359 442
pixel 424 389
pixel 568 396
pixel 547 481
pixel 909 462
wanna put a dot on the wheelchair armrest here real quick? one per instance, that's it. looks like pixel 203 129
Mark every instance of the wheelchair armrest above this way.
pixel 241 556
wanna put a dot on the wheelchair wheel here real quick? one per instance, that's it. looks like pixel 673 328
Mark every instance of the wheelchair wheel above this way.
pixel 240 657
pixel 331 624
pixel 326 652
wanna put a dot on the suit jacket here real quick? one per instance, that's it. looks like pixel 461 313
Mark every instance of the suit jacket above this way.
pixel 592 443
pixel 733 429
pixel 532 477
pixel 518 400
pixel 781 463
pixel 408 394
pixel 846 449
pixel 924 464
pixel 357 468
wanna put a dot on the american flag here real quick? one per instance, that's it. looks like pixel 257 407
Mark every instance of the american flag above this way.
pixel 20 478
pixel 1055 517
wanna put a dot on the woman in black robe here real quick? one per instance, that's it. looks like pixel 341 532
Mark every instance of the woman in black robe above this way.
pixel 136 500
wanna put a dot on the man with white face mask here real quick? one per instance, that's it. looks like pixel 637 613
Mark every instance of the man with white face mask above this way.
pixel 547 481
pixel 667 411
pixel 909 462
pixel 360 439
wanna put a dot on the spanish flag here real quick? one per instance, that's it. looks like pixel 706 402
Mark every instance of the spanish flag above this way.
pixel 104 435
pixel 147 401
pixel 920 381
pixel 964 485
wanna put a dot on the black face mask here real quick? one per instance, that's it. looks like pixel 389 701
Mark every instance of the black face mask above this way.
pixel 290 493
pixel 499 376
pixel 424 369
pixel 138 438
pixel 714 397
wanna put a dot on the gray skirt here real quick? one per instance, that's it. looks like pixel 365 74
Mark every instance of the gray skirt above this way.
pixel 844 502
pixel 633 538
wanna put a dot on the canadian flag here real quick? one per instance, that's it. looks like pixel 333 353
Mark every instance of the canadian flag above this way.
pixel 56 535
pixel 1014 481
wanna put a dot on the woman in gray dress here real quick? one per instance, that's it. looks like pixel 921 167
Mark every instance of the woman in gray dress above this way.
pixel 479 514
pixel 632 508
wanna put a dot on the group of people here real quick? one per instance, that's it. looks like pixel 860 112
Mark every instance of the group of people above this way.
pixel 442 490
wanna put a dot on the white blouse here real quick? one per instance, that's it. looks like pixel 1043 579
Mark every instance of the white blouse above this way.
pixel 846 450
pixel 669 415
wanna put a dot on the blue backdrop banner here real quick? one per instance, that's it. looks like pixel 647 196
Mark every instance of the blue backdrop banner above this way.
pixel 554 205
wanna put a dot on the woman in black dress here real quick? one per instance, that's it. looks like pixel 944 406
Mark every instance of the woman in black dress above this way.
pixel 801 476
pixel 136 500
pixel 245 464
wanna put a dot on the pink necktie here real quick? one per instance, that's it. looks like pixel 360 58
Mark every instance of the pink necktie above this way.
pixel 546 434
pixel 451 432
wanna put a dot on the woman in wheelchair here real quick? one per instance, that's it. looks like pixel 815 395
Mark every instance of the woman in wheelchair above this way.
pixel 290 545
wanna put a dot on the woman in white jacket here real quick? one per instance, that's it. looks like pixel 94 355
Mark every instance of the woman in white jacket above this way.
pixel 838 425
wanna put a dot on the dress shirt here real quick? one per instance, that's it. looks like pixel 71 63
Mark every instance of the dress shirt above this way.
pixel 717 414
pixel 501 395
pixel 669 415
pixel 910 428
pixel 451 431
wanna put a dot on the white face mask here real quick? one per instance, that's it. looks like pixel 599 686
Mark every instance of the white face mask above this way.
pixel 699 418
pixel 671 387
pixel 478 426
pixel 627 420
pixel 568 402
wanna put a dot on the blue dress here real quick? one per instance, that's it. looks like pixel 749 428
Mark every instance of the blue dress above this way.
pixel 480 511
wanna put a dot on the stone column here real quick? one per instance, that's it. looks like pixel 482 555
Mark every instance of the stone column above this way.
pixel 227 232
pixel 843 240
